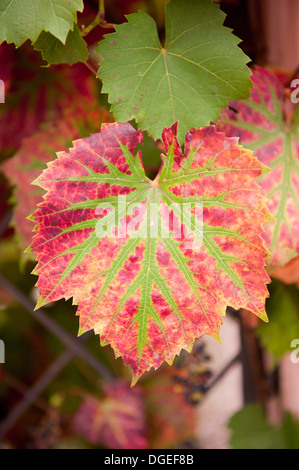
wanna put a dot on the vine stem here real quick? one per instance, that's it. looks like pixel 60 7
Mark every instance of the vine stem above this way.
pixel 99 20
pixel 91 66
pixel 102 9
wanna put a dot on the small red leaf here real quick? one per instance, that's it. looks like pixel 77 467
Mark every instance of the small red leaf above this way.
pixel 289 274
pixel 117 421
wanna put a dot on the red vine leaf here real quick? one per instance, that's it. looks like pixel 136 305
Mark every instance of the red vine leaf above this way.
pixel 289 274
pixel 266 123
pixel 151 282
pixel 43 97
pixel 80 119
pixel 116 421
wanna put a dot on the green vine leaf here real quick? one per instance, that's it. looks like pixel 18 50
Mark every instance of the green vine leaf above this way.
pixel 250 429
pixel 21 20
pixel 283 311
pixel 199 69
pixel 55 52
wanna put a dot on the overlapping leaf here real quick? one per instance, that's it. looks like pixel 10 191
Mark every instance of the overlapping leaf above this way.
pixel 43 97
pixel 260 124
pixel 150 285
pixel 116 421
pixel 79 120
pixel 21 20
pixel 55 52
pixel 199 69
pixel 288 274
pixel 250 429
pixel 283 311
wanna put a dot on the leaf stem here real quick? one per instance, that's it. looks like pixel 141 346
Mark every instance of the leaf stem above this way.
pixel 91 66
pixel 99 20
pixel 102 9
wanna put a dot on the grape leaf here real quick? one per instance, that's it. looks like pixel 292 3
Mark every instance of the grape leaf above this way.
pixel 44 95
pixel 199 69
pixel 21 20
pixel 116 421
pixel 251 430
pixel 288 274
pixel 146 282
pixel 260 124
pixel 55 52
pixel 283 310
pixel 78 120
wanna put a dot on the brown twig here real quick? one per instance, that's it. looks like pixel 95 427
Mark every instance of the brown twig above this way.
pixel 99 20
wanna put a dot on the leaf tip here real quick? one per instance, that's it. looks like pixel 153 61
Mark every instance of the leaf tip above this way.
pixel 217 337
pixel 28 250
pixel 40 303
pixel 135 378
pixel 263 316
pixel 35 182
pixel 170 139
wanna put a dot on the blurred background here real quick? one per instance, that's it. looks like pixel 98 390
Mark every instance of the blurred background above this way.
pixel 60 391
